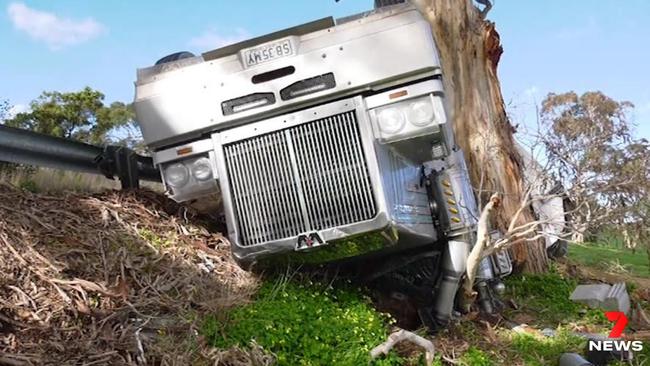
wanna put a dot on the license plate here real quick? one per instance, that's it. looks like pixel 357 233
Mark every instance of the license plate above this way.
pixel 268 52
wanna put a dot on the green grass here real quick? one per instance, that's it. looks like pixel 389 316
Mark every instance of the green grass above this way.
pixel 305 324
pixel 547 297
pixel 516 348
pixel 544 299
pixel 475 357
pixel 535 351
pixel 602 257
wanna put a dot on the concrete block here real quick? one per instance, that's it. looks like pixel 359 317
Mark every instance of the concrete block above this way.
pixel 617 299
pixel 603 296
pixel 573 359
pixel 591 295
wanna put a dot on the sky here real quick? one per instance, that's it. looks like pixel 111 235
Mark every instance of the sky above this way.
pixel 550 46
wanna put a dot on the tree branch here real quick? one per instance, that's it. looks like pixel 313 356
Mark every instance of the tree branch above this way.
pixel 404 335
pixel 482 237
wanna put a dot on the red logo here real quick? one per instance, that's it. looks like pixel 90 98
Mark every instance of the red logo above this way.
pixel 620 322
pixel 614 344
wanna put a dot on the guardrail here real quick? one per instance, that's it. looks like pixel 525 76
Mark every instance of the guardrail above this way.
pixel 32 148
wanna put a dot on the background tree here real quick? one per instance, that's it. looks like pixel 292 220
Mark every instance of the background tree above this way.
pixel 5 108
pixel 470 50
pixel 590 149
pixel 588 155
pixel 78 115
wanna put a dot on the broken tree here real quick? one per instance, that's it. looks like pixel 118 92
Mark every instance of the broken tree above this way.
pixel 470 50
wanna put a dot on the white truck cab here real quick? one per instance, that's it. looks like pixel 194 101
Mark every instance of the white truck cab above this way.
pixel 326 141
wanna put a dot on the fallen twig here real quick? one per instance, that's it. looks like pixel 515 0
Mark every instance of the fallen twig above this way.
pixel 404 335
pixel 482 237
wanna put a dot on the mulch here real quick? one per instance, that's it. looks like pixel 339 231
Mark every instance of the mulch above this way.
pixel 111 278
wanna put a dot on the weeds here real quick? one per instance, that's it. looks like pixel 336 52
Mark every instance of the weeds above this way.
pixel 476 357
pixel 305 323
pixel 547 296
pixel 545 351
pixel 615 266
pixel 156 240
pixel 45 180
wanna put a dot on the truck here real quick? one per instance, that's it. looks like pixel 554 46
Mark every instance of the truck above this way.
pixel 326 142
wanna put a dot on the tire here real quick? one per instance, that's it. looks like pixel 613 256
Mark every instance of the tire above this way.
pixel 174 57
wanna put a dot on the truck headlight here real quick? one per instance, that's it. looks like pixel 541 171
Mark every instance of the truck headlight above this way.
pixel 189 172
pixel 420 112
pixel 201 169
pixel 176 175
pixel 391 120
pixel 409 118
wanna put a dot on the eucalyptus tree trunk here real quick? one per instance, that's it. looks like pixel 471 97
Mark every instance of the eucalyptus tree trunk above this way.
pixel 470 50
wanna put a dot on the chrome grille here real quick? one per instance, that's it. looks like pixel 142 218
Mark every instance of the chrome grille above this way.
pixel 309 177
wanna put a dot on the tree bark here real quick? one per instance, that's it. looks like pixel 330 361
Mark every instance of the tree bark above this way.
pixel 470 50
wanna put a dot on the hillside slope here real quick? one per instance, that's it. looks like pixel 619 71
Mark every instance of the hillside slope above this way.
pixel 111 278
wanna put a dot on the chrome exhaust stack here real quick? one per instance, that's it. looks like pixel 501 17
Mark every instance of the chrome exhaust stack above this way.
pixel 456 213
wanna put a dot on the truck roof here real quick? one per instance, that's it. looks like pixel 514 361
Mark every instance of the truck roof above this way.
pixel 327 59
pixel 144 74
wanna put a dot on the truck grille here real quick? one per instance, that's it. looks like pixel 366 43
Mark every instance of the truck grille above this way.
pixel 309 177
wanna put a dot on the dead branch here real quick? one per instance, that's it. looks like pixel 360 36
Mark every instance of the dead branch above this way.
pixel 522 206
pixel 254 354
pixel 487 7
pixel 404 335
pixel 482 238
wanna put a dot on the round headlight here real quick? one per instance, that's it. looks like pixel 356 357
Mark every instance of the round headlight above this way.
pixel 202 169
pixel 177 175
pixel 420 113
pixel 391 120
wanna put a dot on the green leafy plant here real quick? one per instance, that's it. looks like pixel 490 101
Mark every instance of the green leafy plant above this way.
pixel 29 185
pixel 476 357
pixel 155 240
pixel 546 351
pixel 305 323
pixel 547 295
pixel 80 115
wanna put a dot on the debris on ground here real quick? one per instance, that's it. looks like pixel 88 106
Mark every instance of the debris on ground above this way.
pixel 254 355
pixel 402 335
pixel 573 359
pixel 603 296
pixel 109 278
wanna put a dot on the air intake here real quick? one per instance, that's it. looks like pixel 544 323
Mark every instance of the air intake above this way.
pixel 309 177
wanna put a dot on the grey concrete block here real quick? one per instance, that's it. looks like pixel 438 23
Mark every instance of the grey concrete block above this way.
pixel 617 299
pixel 603 296
pixel 573 359
pixel 591 295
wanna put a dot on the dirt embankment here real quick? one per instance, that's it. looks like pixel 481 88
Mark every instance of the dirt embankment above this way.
pixel 111 278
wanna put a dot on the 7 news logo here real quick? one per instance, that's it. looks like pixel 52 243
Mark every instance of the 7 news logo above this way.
pixel 614 343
